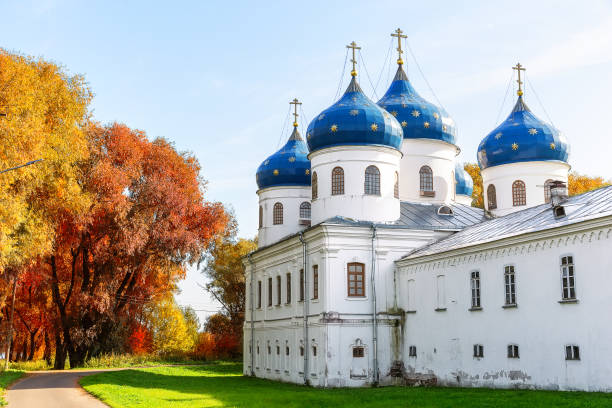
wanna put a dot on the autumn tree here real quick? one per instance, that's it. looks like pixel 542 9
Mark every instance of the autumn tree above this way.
pixel 474 171
pixel 580 183
pixel 171 330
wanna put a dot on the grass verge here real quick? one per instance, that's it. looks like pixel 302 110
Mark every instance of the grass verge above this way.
pixel 108 361
pixel 222 385
pixel 6 379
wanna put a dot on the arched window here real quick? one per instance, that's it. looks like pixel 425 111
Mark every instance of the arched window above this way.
pixel 315 185
pixel 260 216
pixel 305 210
pixel 396 186
pixel 337 181
pixel 519 196
pixel 426 181
pixel 277 215
pixel 547 186
pixel 372 180
pixel 491 197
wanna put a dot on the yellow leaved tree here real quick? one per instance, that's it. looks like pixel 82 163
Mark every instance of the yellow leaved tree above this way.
pixel 173 331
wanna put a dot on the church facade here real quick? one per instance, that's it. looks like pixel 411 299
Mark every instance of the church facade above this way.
pixel 373 267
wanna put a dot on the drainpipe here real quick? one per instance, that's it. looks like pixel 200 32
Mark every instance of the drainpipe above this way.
pixel 252 315
pixel 306 351
pixel 374 317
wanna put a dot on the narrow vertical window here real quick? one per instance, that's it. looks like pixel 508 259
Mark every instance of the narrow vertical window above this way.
pixel 288 288
pixel 513 351
pixel 547 186
pixel 510 285
pixel 568 280
pixel 259 294
pixel 572 352
pixel 412 351
pixel 426 181
pixel 478 351
pixel 356 279
pixel 301 284
pixel 315 281
pixel 441 293
pixel 305 210
pixel 278 290
pixel 491 197
pixel 475 287
pixel 337 181
pixel 315 185
pixel 269 291
pixel 277 216
pixel 519 196
pixel 260 216
pixel 372 181
pixel 396 186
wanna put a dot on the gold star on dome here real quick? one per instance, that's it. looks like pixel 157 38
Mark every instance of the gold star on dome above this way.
pixel 321 116
pixel 514 146
pixel 307 171
pixel 354 112
pixel 291 159
pixel 275 172
pixel 415 113
pixel 404 123
pixel 553 146
pixel 533 131
pixel 374 127
pixel 334 128
pixel 394 113
pixel 444 128
pixel 498 135
pixel 426 124
pixel 309 135
pixel 435 115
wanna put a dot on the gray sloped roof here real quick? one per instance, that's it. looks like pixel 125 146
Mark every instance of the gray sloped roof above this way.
pixel 422 216
pixel 594 204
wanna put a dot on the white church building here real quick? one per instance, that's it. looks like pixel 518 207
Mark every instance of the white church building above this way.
pixel 373 267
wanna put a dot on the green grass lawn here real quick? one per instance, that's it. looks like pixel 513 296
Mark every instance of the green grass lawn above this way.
pixel 222 385
pixel 7 378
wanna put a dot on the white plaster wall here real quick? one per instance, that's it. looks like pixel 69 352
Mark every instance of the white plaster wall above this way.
pixel 533 174
pixel 438 155
pixel 354 203
pixel 291 198
pixel 540 325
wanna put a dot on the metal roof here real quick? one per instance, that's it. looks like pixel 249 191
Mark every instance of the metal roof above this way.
pixel 594 204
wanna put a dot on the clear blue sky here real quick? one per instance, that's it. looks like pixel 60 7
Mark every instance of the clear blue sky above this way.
pixel 216 78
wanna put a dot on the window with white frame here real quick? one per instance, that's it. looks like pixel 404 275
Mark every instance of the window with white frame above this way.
pixel 568 279
pixel 572 352
pixel 513 351
pixel 478 350
pixel 510 285
pixel 475 288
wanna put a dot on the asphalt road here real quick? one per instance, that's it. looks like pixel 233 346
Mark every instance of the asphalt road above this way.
pixel 52 389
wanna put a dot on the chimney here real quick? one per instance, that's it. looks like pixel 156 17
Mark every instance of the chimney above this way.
pixel 558 193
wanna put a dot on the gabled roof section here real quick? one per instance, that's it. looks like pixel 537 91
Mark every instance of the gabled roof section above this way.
pixel 594 204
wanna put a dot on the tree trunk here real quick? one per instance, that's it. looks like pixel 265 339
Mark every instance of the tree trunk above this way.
pixel 60 353
pixel 32 345
pixel 47 353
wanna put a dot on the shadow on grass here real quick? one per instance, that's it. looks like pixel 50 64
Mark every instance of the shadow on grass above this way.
pixel 224 385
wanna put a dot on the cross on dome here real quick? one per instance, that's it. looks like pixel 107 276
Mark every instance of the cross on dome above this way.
pixel 519 68
pixel 398 33
pixel 353 46
pixel 295 104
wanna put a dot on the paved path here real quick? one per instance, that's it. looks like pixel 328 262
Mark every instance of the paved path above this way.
pixel 52 389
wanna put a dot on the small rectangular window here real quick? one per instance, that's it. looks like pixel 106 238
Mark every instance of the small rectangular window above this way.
pixel 286 350
pixel 356 279
pixel 315 282
pixel 510 285
pixel 259 294
pixel 568 279
pixel 288 288
pixel 301 284
pixel 314 351
pixel 572 352
pixel 278 290
pixel 301 351
pixel 412 352
pixel 269 291
pixel 513 351
pixel 475 287
pixel 358 352
pixel 478 350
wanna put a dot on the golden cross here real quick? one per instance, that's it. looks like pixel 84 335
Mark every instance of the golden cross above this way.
pixel 295 104
pixel 399 36
pixel 354 46
pixel 519 68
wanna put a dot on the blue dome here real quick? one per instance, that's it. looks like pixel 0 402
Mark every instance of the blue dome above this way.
pixel 287 167
pixel 522 137
pixel 354 120
pixel 419 119
pixel 463 181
